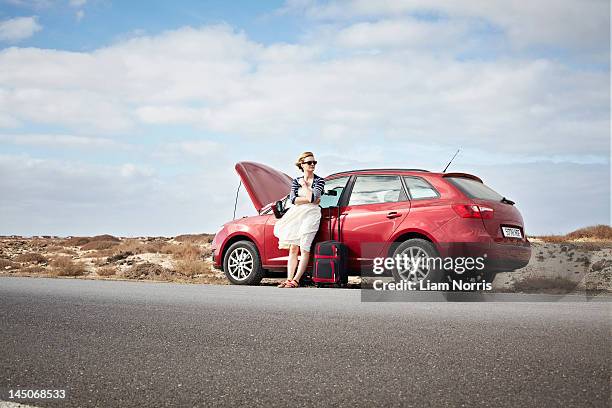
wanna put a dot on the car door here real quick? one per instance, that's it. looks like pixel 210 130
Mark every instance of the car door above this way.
pixel 277 258
pixel 329 208
pixel 376 207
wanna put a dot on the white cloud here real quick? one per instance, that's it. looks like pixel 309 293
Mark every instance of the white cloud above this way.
pixel 74 198
pixel 402 33
pixel 130 170
pixel 577 24
pixel 18 28
pixel 219 81
pixel 79 15
pixel 59 141
pixel 77 3
pixel 185 150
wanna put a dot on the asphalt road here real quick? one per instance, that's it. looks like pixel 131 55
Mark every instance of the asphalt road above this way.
pixel 155 344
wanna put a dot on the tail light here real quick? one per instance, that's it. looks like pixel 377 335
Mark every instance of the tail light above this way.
pixel 473 211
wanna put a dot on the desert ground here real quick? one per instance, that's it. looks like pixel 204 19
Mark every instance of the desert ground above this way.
pixel 577 262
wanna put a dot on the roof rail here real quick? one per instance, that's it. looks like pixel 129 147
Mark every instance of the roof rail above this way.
pixel 351 171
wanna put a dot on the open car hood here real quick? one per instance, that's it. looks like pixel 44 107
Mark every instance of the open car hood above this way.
pixel 263 183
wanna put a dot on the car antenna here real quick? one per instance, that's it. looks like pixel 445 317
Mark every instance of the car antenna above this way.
pixel 451 160
pixel 236 202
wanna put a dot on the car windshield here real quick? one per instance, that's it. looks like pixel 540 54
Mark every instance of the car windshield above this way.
pixel 475 189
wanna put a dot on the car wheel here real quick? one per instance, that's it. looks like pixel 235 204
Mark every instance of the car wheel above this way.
pixel 242 264
pixel 489 276
pixel 417 249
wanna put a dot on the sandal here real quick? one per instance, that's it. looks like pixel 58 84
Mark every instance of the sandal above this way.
pixel 284 284
pixel 292 284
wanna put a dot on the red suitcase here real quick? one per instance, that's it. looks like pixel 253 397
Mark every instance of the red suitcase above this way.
pixel 330 260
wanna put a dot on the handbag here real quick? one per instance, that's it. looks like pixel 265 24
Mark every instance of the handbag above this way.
pixel 279 208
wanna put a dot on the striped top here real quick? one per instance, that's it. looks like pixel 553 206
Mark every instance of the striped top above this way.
pixel 318 185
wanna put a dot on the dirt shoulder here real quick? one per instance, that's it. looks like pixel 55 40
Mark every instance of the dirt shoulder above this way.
pixel 562 267
pixel 557 265
pixel 185 258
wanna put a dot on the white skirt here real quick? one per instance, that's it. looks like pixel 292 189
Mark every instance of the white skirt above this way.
pixel 298 226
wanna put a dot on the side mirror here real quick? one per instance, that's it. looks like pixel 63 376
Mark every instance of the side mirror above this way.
pixel 331 193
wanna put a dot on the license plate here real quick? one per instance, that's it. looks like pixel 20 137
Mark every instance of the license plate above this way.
pixel 510 232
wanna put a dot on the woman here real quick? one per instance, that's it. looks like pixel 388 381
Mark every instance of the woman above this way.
pixel 297 228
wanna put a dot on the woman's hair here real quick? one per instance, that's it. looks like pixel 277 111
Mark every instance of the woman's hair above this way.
pixel 301 157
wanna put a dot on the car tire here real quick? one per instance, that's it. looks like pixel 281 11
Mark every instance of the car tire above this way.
pixel 417 247
pixel 489 276
pixel 242 264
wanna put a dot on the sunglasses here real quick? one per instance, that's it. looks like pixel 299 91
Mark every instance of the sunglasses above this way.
pixel 310 163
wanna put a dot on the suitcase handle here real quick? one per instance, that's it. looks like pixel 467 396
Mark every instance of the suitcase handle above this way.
pixel 331 237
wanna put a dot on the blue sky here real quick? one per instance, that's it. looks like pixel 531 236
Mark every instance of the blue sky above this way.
pixel 126 118
pixel 105 22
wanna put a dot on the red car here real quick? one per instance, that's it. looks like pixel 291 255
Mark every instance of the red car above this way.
pixel 383 213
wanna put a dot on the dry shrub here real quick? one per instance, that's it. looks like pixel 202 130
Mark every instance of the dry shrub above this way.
pixel 58 249
pixel 138 247
pixel 99 245
pixel 206 252
pixel 148 270
pixel 596 232
pixel 192 267
pixel 553 239
pixel 7 262
pixel 33 269
pixel 99 254
pixel 195 238
pixel 55 248
pixel 182 251
pixel 119 257
pixel 99 261
pixel 107 271
pixel 65 266
pixel 76 241
pixel 80 241
pixel 545 285
pixel 153 247
pixel 105 237
pixel 31 257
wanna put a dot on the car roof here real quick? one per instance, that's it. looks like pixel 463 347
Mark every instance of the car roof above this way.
pixel 379 171
pixel 403 172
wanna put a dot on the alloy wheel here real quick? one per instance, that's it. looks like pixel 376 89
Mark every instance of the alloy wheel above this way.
pixel 418 267
pixel 240 263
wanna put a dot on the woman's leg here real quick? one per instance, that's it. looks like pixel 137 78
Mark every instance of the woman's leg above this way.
pixel 294 250
pixel 305 257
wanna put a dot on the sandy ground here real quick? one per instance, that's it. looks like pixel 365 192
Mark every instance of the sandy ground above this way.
pixel 580 265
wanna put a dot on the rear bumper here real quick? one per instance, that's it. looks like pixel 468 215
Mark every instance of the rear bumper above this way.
pixel 504 256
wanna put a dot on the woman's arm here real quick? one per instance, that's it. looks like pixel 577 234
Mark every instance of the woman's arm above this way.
pixel 295 199
pixel 295 186
pixel 317 189
pixel 301 200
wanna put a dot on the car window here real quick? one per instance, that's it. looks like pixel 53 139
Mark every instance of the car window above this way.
pixel 419 188
pixel 475 189
pixel 376 189
pixel 337 185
